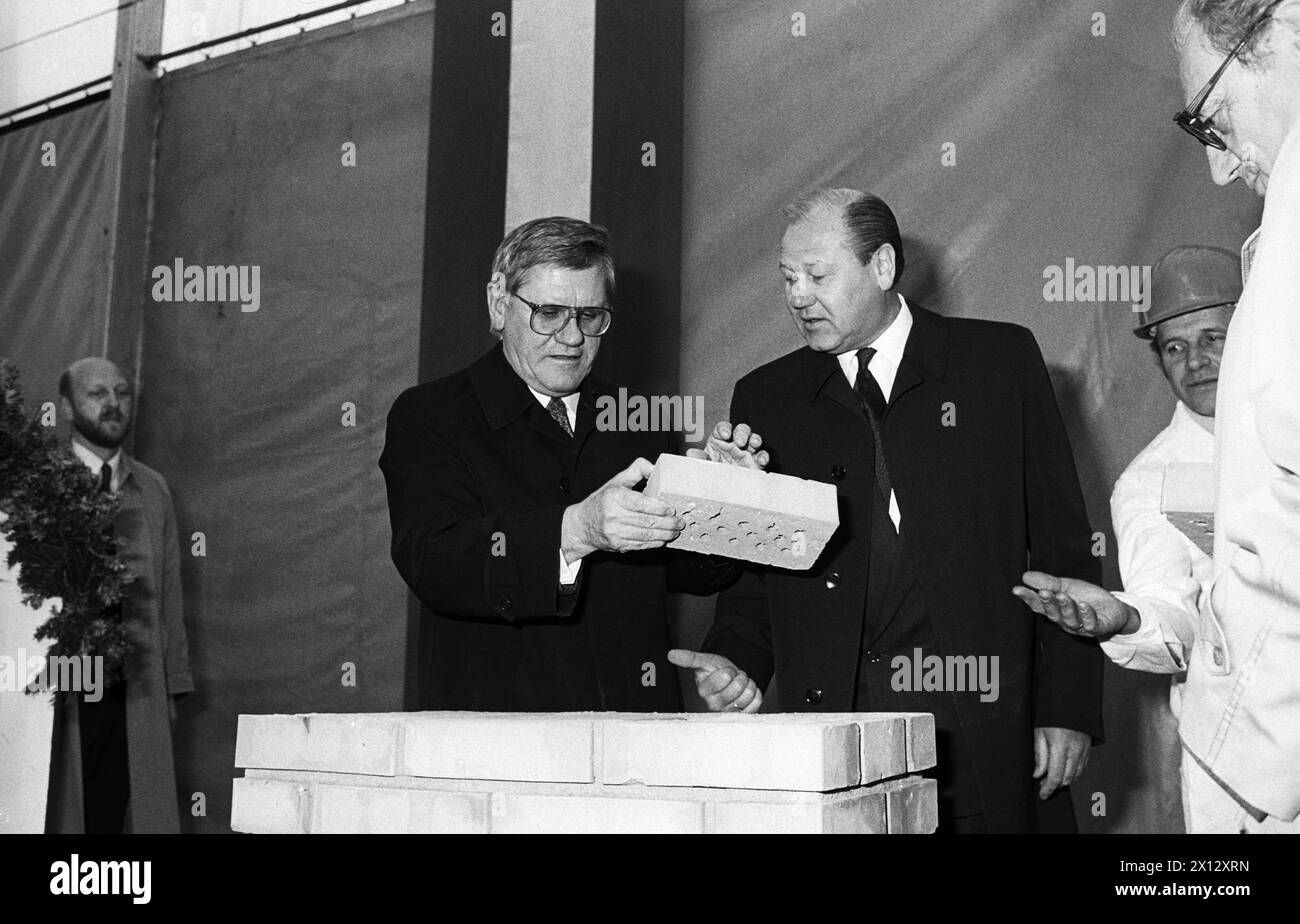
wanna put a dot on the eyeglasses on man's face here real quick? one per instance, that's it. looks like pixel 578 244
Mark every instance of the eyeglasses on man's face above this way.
pixel 548 320
pixel 1189 118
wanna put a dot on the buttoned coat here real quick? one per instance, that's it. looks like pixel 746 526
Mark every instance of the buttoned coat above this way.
pixel 478 477
pixel 986 485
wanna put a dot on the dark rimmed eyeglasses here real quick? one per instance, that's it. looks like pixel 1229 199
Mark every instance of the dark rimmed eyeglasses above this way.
pixel 1189 118
pixel 551 319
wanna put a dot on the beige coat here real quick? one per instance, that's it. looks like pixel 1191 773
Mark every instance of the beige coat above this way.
pixel 157 666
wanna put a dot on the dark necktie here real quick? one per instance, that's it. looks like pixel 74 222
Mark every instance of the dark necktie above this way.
pixel 106 487
pixel 873 405
pixel 561 415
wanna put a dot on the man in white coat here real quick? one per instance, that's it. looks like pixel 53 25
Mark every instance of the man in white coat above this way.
pixel 1161 503
pixel 1241 710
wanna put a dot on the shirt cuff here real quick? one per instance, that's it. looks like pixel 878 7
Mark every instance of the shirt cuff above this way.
pixel 568 572
pixel 1147 649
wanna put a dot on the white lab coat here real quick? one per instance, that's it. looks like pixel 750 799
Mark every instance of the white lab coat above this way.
pixel 1241 703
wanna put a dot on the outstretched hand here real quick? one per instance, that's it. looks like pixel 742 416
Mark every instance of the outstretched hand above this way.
pixel 1076 606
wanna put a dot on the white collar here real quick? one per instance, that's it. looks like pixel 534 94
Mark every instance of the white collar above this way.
pixel 1248 254
pixel 1191 421
pixel 889 348
pixel 96 464
pixel 1286 156
pixel 570 405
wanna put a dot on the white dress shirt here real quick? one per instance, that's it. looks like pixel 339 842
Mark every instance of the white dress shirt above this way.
pixel 568 572
pixel 96 464
pixel 884 368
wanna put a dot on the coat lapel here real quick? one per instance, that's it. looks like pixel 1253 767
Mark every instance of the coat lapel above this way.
pixel 925 355
pixel 820 375
pixel 504 397
pixel 587 411
pixel 925 359
pixel 501 392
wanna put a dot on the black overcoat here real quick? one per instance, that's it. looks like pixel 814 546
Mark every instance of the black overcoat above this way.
pixel 986 485
pixel 478 476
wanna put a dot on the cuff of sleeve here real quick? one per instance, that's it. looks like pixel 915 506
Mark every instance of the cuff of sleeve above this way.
pixel 1123 648
pixel 568 572
pixel 179 682
pixel 1148 644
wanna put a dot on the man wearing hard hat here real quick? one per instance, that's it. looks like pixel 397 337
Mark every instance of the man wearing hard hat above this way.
pixel 1161 504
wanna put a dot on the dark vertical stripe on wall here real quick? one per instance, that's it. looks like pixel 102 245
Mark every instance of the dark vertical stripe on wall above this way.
pixel 465 202
pixel 465 198
pixel 638 99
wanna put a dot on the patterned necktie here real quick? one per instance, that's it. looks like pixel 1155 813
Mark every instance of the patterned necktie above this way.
pixel 873 404
pixel 561 415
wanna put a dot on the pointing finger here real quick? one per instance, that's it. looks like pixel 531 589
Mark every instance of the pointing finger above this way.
pixel 699 660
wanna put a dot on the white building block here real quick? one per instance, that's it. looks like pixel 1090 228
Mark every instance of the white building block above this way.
pixel 856 811
pixel 584 772
pixel 884 748
pixel 384 810
pixel 884 736
pixel 512 746
pixel 340 743
pixel 269 807
pixel 556 814
pixel 743 513
pixel 732 751
pixel 912 805
pixel 920 738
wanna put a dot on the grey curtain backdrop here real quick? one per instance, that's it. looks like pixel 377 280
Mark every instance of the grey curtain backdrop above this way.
pixel 1063 149
pixel 245 412
pixel 52 251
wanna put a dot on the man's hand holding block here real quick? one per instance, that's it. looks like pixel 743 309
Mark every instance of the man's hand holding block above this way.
pixel 744 513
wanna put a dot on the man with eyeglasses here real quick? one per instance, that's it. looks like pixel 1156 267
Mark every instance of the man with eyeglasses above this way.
pixel 1240 723
pixel 518 523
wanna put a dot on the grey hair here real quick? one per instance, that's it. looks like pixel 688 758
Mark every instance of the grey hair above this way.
pixel 1223 22
pixel 567 242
